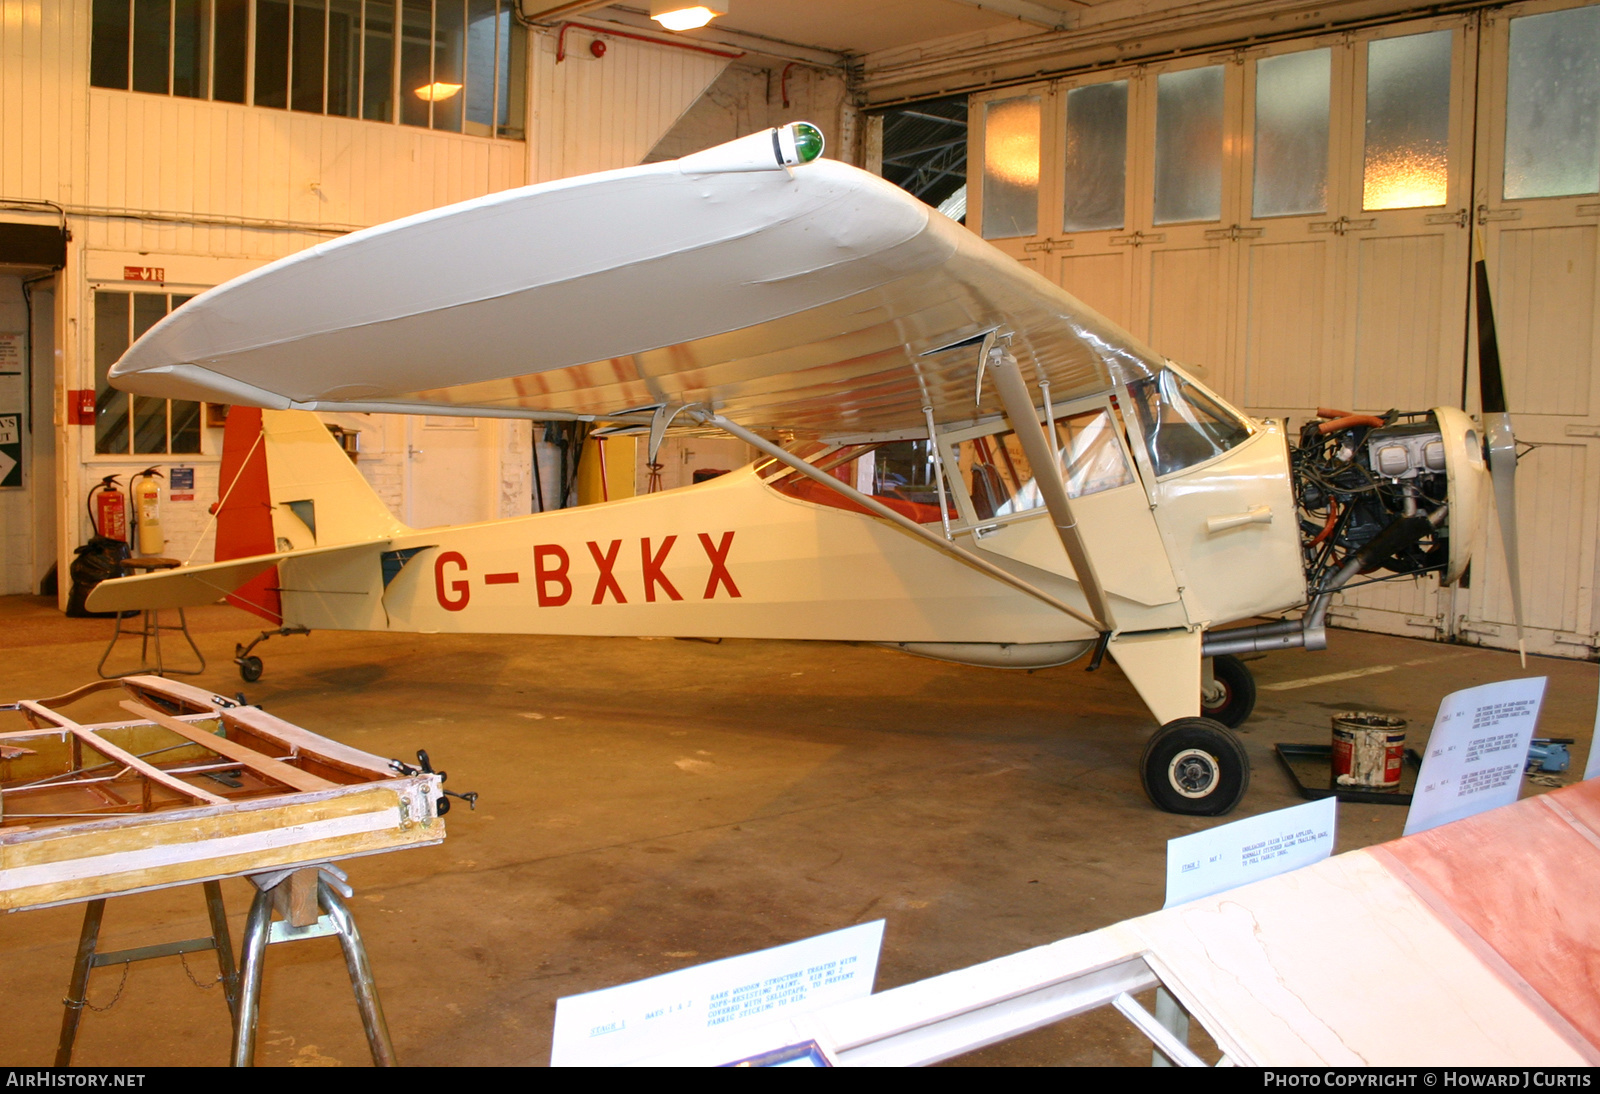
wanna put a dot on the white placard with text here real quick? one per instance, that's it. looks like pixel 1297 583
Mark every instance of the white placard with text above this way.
pixel 1476 752
pixel 646 1018
pixel 1248 850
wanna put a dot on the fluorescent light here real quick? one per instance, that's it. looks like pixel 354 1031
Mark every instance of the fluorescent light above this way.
pixel 437 92
pixel 686 15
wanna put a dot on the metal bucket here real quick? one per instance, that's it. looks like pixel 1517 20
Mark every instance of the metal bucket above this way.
pixel 1368 750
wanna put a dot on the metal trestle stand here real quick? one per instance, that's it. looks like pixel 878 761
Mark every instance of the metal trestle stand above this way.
pixel 309 905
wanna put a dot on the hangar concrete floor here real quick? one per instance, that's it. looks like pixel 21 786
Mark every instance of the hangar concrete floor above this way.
pixel 652 804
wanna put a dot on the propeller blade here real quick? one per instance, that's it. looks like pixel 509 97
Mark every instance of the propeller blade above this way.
pixel 1500 442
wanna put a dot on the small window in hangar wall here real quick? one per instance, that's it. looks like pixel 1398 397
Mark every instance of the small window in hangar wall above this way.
pixel 1189 128
pixel 136 425
pixel 1408 121
pixel 1011 168
pixel 1553 105
pixel 1094 174
pixel 455 65
pixel 1291 160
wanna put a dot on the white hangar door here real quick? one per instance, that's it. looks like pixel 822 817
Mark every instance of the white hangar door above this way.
pixel 1297 219
pixel 1537 206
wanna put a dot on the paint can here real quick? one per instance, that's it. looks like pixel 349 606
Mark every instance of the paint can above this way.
pixel 1368 750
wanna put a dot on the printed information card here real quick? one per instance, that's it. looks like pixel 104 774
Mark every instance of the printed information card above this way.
pixel 1224 858
pixel 648 1017
pixel 1476 752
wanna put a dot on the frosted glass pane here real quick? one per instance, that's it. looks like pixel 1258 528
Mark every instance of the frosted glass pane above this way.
pixel 1011 168
pixel 1097 157
pixel 1553 105
pixel 1408 121
pixel 1292 134
pixel 1189 145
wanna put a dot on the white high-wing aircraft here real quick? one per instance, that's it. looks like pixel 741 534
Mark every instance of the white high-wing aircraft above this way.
pixel 800 305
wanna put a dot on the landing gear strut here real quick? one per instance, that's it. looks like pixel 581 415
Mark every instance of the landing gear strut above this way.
pixel 1195 766
pixel 249 665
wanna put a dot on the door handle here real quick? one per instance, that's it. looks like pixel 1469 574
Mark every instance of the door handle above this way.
pixel 1259 514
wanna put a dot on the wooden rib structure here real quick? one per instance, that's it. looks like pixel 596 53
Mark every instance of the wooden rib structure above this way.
pixel 194 787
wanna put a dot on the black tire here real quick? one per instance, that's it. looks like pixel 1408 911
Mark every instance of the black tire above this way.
pixel 250 669
pixel 1238 692
pixel 1195 766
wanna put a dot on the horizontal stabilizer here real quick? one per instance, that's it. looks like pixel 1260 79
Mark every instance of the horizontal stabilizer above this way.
pixel 191 586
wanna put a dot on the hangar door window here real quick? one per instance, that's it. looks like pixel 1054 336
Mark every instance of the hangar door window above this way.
pixel 455 65
pixel 136 425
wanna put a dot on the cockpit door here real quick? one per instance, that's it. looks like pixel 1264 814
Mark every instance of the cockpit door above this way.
pixel 1223 499
pixel 1007 515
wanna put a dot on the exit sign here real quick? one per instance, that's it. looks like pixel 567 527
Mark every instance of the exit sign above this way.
pixel 144 273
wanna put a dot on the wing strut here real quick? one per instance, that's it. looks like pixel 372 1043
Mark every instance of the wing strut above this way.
pixel 754 440
pixel 1041 453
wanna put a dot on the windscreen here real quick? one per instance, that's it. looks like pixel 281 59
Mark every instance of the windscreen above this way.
pixel 1182 425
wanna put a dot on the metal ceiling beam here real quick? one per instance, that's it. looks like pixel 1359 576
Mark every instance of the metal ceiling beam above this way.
pixel 1038 14
pixel 545 11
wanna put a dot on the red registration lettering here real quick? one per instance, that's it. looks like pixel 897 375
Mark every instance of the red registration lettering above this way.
pixel 462 591
pixel 607 581
pixel 652 569
pixel 719 565
pixel 546 576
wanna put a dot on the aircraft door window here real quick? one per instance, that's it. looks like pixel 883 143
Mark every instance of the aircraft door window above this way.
pixel 1001 483
pixel 1182 426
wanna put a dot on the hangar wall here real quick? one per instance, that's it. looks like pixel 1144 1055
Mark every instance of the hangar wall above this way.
pixel 1349 289
pixel 166 196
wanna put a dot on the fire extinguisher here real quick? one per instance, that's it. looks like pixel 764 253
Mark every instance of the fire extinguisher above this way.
pixel 147 510
pixel 108 510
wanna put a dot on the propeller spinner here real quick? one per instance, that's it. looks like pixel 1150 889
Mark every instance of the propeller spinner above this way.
pixel 1500 444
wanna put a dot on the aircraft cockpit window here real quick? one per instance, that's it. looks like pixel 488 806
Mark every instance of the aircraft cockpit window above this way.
pixel 899 474
pixel 1182 425
pixel 1000 481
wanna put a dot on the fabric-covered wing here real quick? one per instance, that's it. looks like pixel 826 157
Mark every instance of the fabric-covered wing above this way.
pixel 802 300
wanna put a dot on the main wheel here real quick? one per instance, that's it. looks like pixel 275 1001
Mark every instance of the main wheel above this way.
pixel 250 668
pixel 1232 695
pixel 1195 766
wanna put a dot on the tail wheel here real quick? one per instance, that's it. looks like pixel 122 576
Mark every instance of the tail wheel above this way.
pixel 1195 766
pixel 250 668
pixel 1232 694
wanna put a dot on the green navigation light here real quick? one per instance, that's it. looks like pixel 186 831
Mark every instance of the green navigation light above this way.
pixel 807 141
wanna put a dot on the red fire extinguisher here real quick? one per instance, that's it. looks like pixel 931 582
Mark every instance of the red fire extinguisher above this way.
pixel 147 510
pixel 108 510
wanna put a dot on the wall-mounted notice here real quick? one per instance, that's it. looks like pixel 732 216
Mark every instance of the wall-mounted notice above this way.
pixel 1476 752
pixel 180 484
pixel 1236 854
pixel 10 450
pixel 11 343
pixel 631 1022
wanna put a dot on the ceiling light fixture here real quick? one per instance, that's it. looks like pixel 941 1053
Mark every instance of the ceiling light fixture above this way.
pixel 437 92
pixel 685 14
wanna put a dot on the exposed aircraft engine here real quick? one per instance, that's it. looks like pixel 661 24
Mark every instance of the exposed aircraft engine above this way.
pixel 1373 495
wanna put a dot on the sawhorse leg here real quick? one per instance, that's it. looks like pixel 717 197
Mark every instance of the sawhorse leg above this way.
pixel 260 931
pixel 89 959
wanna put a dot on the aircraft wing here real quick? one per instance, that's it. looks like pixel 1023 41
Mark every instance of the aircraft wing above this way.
pixel 809 299
pixel 191 586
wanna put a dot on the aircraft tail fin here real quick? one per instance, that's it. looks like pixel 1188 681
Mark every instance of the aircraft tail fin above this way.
pixel 287 485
